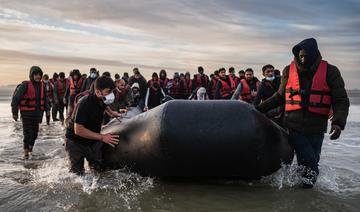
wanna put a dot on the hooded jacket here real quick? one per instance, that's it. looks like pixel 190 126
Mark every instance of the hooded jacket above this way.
pixel 303 120
pixel 21 90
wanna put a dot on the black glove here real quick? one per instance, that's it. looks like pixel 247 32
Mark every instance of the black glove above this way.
pixel 15 117
pixel 335 132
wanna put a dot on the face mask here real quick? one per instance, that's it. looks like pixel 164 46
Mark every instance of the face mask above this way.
pixel 93 75
pixel 270 78
pixel 108 99
pixel 45 81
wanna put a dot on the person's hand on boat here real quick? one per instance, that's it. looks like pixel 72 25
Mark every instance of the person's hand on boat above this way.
pixel 112 140
pixel 115 114
pixel 123 110
pixel 146 109
pixel 335 132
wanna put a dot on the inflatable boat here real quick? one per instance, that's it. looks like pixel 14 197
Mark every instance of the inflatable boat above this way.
pixel 183 138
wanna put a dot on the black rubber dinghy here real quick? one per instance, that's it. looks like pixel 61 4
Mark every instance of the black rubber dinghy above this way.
pixel 183 138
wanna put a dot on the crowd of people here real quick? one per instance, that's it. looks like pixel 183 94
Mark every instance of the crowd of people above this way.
pixel 301 100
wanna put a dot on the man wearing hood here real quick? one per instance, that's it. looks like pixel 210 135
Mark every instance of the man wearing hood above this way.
pixel 311 90
pixel 154 93
pixel 137 99
pixel 164 80
pixel 138 78
pixel 94 74
pixel 30 97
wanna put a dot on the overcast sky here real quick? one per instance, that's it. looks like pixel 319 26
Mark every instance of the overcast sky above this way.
pixel 178 35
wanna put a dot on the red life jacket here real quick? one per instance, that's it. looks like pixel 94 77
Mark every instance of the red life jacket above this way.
pixel 226 89
pixel 151 82
pixel 75 89
pixel 213 86
pixel 60 87
pixel 28 100
pixel 187 87
pixel 122 94
pixel 164 82
pixel 320 97
pixel 235 80
pixel 199 82
pixel 245 93
pixel 175 90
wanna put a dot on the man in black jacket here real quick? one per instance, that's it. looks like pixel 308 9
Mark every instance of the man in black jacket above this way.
pixel 268 86
pixel 83 138
pixel 30 97
pixel 310 88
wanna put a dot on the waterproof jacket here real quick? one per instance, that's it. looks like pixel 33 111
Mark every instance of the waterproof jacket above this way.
pixel 21 91
pixel 267 89
pixel 303 120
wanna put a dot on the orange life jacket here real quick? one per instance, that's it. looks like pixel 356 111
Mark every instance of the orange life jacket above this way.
pixel 28 100
pixel 319 94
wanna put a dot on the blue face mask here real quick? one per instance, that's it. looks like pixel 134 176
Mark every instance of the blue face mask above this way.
pixel 270 78
pixel 93 75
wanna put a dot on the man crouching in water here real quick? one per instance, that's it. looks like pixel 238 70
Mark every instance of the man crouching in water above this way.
pixel 83 138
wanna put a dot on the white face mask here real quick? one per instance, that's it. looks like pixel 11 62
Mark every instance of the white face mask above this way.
pixel 270 78
pixel 93 75
pixel 45 81
pixel 108 99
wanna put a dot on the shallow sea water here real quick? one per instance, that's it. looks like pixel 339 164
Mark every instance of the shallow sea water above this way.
pixel 44 183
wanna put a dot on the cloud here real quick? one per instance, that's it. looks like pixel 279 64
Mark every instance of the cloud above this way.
pixel 179 34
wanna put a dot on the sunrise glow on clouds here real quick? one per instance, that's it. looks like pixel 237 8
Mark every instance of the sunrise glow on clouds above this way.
pixel 177 35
